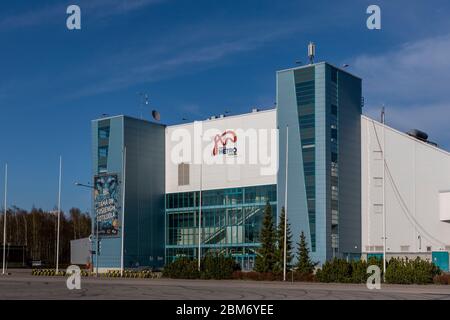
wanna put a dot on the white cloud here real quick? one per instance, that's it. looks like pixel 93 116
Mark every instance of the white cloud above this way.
pixel 416 70
pixel 413 82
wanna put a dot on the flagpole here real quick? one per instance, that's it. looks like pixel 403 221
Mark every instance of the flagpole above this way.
pixel 4 220
pixel 384 198
pixel 59 215
pixel 286 205
pixel 123 210
pixel 200 218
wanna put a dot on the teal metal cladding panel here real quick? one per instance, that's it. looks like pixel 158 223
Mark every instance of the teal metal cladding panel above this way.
pixel 323 242
pixel 440 259
pixel 110 252
pixel 288 116
pixel 145 189
pixel 349 159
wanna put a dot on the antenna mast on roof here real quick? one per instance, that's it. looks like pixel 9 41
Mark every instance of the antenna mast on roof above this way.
pixel 311 52
pixel 144 101
pixel 383 114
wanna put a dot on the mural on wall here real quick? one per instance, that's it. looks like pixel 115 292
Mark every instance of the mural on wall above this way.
pixel 107 204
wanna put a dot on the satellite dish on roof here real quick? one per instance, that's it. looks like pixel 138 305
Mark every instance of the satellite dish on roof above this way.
pixel 156 116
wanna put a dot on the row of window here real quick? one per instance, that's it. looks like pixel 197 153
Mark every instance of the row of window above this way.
pixel 237 225
pixel 305 92
pixel 103 140
pixel 222 197
pixel 334 188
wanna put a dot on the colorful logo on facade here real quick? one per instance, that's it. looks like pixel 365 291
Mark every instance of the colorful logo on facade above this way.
pixel 221 141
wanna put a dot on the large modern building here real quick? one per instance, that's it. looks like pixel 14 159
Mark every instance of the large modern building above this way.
pixel 164 192
pixel 407 201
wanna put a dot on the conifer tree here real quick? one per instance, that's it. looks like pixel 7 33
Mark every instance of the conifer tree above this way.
pixel 304 263
pixel 266 258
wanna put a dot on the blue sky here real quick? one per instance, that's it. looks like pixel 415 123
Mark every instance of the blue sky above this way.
pixel 195 59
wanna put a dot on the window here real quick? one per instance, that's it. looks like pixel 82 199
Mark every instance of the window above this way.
pixel 334 109
pixel 334 217
pixel 334 193
pixel 102 169
pixel 428 249
pixel 183 174
pixel 103 133
pixel 334 134
pixel 334 157
pixel 334 75
pixel 334 240
pixel 103 152
pixel 334 169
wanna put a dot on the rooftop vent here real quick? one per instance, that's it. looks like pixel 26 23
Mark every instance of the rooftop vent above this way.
pixel 420 135
pixel 255 110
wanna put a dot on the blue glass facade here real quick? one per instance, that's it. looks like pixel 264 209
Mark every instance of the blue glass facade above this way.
pixel 320 106
pixel 305 94
pixel 231 222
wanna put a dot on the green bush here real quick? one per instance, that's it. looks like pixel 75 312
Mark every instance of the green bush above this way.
pixel 336 270
pixel 218 267
pixel 405 271
pixel 182 268
pixel 212 267
pixel 340 270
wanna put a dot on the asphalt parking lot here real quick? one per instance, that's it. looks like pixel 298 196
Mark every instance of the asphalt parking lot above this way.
pixel 22 285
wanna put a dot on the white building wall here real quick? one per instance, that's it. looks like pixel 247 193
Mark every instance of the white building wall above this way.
pixel 415 176
pixel 256 161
